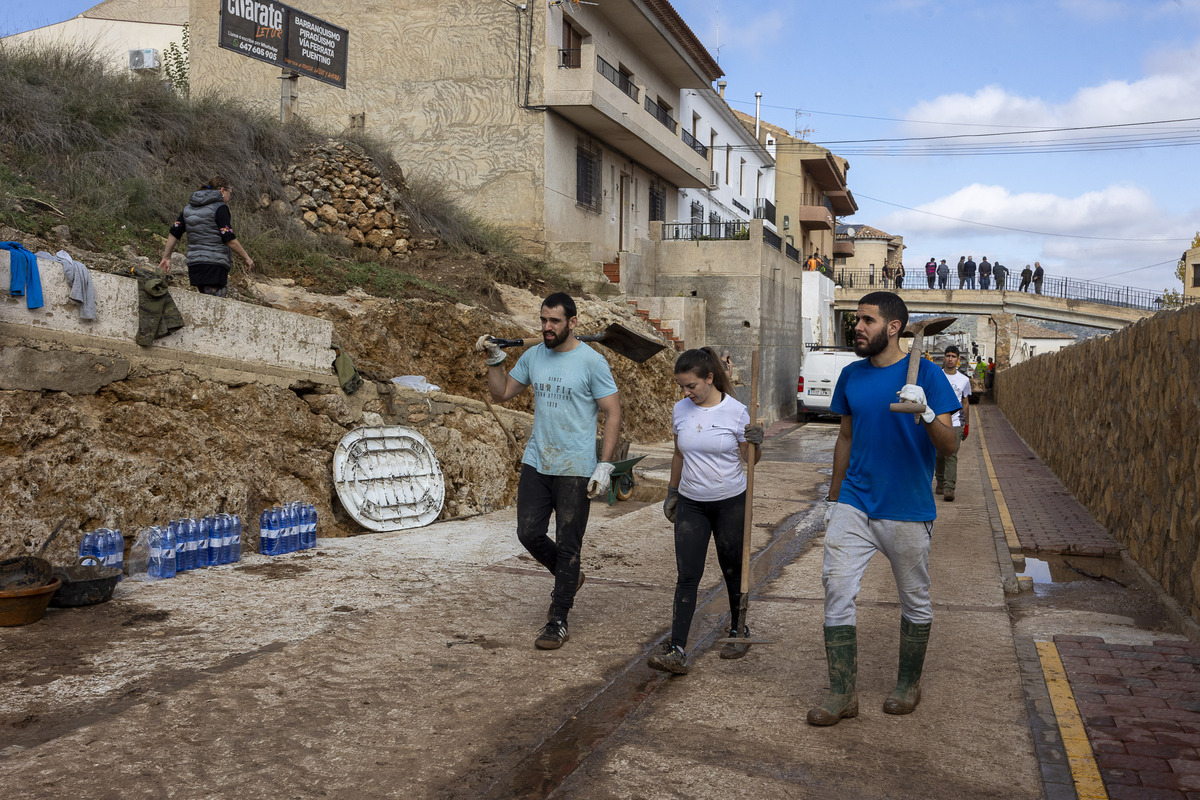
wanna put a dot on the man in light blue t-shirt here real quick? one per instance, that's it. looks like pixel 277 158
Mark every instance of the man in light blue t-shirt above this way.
pixel 882 500
pixel 559 473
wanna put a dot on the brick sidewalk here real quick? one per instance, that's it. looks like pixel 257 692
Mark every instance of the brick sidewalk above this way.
pixel 1047 518
pixel 1140 705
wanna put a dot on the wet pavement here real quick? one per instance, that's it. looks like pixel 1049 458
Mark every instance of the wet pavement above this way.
pixel 402 665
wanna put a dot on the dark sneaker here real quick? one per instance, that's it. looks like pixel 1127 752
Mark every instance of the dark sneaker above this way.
pixel 937 489
pixel 670 659
pixel 553 636
pixel 735 649
pixel 948 495
pixel 578 586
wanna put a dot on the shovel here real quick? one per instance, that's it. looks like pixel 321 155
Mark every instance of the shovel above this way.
pixel 748 525
pixel 919 330
pixel 615 337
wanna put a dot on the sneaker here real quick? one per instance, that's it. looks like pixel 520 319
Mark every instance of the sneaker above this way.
pixel 948 495
pixel 553 636
pixel 670 659
pixel 937 489
pixel 578 586
pixel 735 649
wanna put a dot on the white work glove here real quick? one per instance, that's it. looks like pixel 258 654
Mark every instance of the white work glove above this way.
pixel 754 434
pixel 670 503
pixel 494 354
pixel 601 478
pixel 911 393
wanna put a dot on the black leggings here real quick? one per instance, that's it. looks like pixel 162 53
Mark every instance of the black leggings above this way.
pixel 566 496
pixel 695 521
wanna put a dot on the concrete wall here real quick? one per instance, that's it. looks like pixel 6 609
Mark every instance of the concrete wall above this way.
pixel 817 308
pixel 110 39
pixel 1191 274
pixel 753 296
pixel 1115 419
pixel 214 326
pixel 683 315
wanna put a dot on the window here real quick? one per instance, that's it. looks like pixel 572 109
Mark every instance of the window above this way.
pixel 714 225
pixel 741 173
pixel 587 174
pixel 1195 275
pixel 572 47
pixel 658 203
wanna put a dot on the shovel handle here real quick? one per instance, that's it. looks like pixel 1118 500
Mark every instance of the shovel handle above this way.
pixel 908 408
pixel 502 343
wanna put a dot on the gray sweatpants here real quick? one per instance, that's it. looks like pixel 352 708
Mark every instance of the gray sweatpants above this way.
pixel 850 541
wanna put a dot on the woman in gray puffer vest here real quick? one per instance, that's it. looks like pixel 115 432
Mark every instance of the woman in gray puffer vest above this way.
pixel 207 223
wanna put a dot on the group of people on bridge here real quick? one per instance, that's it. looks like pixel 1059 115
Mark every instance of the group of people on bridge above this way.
pixel 990 275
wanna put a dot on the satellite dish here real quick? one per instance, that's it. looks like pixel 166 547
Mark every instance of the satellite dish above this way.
pixel 850 232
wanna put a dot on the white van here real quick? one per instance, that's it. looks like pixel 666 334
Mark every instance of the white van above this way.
pixel 818 376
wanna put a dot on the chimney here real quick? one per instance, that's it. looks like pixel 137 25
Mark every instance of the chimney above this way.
pixel 721 88
pixel 757 106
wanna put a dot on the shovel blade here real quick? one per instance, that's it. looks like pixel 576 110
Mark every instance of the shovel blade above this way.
pixel 622 341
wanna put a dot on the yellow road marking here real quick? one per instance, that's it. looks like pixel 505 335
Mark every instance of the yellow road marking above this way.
pixel 1010 530
pixel 1088 783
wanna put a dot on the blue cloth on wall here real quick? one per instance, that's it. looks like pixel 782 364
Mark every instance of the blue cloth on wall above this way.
pixel 25 280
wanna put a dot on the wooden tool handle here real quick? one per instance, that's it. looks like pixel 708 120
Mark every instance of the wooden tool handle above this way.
pixel 908 408
pixel 748 526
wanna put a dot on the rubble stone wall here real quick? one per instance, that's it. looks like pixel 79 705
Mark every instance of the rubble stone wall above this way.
pixel 1118 421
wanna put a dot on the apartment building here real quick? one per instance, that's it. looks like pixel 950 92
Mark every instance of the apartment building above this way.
pixel 561 121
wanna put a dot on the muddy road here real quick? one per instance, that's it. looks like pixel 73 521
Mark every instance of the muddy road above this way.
pixel 403 665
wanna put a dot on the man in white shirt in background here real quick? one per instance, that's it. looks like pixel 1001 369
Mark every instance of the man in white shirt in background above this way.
pixel 946 471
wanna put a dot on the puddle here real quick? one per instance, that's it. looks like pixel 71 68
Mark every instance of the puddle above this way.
pixel 1049 569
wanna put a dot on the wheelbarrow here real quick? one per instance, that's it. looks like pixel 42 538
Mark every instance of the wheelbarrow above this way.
pixel 621 480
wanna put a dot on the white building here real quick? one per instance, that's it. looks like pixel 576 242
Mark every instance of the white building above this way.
pixel 1034 340
pixel 125 34
pixel 741 180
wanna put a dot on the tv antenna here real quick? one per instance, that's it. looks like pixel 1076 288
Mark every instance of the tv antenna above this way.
pixel 802 133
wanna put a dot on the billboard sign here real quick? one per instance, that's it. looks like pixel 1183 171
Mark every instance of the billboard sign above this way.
pixel 284 37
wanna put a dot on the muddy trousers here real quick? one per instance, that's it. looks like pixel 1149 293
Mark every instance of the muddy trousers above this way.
pixel 850 541
pixel 945 470
pixel 566 496
pixel 695 522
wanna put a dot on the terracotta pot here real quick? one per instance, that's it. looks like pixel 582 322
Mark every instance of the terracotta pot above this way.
pixel 23 606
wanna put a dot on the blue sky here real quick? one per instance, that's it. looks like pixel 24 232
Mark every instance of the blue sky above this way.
pixel 888 69
pixel 885 69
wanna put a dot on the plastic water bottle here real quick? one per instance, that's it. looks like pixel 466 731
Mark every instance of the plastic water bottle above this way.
pixel 155 569
pixel 298 522
pixel 170 547
pixel 226 538
pixel 265 540
pixel 311 525
pixel 191 535
pixel 315 522
pixel 89 545
pixel 214 541
pixel 237 539
pixel 181 564
pixel 295 531
pixel 119 552
pixel 276 525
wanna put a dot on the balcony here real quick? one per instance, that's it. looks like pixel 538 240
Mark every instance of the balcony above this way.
pixel 694 143
pixel 569 58
pixel 660 114
pixel 604 103
pixel 843 247
pixel 764 209
pixel 815 212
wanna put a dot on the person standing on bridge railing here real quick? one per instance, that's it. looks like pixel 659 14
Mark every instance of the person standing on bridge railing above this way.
pixel 969 272
pixel 943 275
pixel 985 273
pixel 1026 277
pixel 881 500
pixel 1039 275
pixel 1000 273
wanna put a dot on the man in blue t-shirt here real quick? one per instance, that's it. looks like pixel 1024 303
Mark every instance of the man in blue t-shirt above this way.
pixel 571 383
pixel 881 500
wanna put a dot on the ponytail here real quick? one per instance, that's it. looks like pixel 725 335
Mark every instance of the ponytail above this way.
pixel 703 362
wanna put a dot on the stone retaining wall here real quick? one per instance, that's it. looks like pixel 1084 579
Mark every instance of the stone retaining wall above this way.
pixel 1118 420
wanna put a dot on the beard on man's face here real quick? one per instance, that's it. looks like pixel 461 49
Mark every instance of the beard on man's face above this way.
pixel 869 347
pixel 552 338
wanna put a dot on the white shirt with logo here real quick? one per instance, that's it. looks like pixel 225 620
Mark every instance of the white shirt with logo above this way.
pixel 708 439
pixel 962 390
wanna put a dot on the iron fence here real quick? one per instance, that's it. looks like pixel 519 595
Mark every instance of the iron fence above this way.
pixel 693 142
pixel 772 238
pixel 661 114
pixel 1052 286
pixel 728 230
pixel 617 78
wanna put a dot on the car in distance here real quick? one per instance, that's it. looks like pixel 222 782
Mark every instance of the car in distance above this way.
pixel 818 376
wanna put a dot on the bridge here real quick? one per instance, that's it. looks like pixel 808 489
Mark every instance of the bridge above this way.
pixel 1069 300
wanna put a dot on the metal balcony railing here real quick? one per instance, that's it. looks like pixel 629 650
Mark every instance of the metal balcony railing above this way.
pixel 661 115
pixel 694 143
pixel 740 207
pixel 811 199
pixel 791 252
pixel 616 77
pixel 569 58
pixel 728 230
pixel 764 209
pixel 772 238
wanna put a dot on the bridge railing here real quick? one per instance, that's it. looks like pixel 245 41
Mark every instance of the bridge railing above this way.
pixel 1052 286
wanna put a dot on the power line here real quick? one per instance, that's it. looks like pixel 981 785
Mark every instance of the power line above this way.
pixel 1016 230
pixel 1012 133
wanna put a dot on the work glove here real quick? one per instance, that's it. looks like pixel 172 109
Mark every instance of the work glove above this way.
pixel 601 478
pixel 754 434
pixel 495 355
pixel 911 393
pixel 670 503
pixel 966 430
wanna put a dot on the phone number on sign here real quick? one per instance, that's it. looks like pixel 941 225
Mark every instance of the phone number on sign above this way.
pixel 257 50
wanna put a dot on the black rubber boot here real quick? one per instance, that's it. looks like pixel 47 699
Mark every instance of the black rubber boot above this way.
pixel 914 639
pixel 841 651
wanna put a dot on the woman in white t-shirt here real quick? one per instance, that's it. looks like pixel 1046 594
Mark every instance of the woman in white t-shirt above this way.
pixel 706 496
